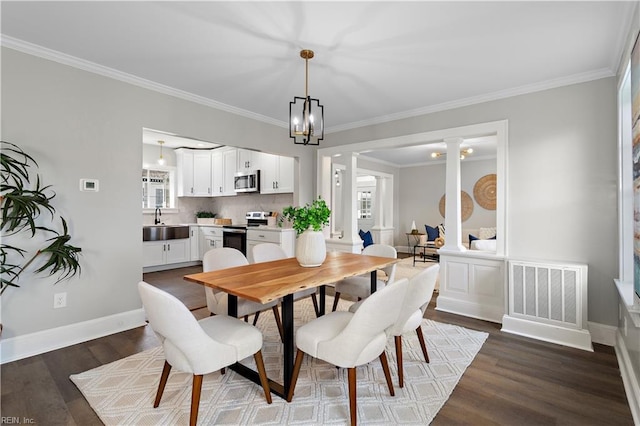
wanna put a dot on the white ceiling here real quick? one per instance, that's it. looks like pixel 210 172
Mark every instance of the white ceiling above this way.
pixel 374 61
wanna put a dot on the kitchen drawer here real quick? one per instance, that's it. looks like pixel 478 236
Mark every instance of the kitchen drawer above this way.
pixel 211 231
pixel 264 236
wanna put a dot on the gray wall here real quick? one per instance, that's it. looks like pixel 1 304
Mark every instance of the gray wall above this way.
pixel 422 204
pixel 561 192
pixel 77 125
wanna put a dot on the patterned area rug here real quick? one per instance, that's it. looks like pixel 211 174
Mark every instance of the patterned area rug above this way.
pixel 406 269
pixel 122 392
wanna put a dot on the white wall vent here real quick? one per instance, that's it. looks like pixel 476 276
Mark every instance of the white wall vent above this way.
pixel 548 301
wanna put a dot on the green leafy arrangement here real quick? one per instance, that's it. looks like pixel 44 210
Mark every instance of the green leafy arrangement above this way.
pixel 314 216
pixel 205 214
pixel 20 208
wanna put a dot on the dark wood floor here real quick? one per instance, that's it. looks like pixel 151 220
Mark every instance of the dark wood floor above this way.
pixel 512 381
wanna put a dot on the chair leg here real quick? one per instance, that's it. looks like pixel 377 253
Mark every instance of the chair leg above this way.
pixel 387 373
pixel 255 318
pixel 294 374
pixel 398 343
pixel 335 301
pixel 422 344
pixel 263 375
pixel 314 299
pixel 163 381
pixel 195 399
pixel 353 410
pixel 276 315
pixel 246 318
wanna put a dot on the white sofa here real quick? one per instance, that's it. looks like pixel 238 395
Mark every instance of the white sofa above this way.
pixel 484 243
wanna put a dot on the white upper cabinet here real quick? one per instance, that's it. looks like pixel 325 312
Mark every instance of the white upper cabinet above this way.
pixel 194 173
pixel 202 173
pixel 223 168
pixel 217 173
pixel 184 161
pixel 229 159
pixel 248 160
pixel 211 173
pixel 276 174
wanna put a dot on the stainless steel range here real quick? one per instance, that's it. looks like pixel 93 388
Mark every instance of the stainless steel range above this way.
pixel 235 236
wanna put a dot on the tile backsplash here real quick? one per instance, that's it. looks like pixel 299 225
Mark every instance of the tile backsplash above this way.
pixel 234 208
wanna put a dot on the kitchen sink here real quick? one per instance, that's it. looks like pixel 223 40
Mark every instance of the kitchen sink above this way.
pixel 164 232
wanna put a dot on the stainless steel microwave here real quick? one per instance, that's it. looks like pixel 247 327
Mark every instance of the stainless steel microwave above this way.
pixel 247 181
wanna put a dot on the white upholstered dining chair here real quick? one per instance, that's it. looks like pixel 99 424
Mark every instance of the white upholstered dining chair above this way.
pixel 266 252
pixel 360 286
pixel 198 347
pixel 421 287
pixel 218 301
pixel 348 340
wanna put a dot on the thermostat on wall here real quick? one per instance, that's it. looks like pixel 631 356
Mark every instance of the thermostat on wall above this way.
pixel 89 185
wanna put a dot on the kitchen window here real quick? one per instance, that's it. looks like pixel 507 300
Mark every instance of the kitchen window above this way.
pixel 158 188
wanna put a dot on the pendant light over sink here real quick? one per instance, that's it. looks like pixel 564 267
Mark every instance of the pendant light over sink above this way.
pixel 306 115
pixel 161 160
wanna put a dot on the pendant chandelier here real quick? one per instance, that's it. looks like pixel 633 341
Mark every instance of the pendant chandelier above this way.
pixel 161 160
pixel 306 115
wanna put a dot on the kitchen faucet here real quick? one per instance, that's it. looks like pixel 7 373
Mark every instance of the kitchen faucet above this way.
pixel 156 219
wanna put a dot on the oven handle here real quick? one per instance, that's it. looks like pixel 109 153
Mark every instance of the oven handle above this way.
pixel 234 231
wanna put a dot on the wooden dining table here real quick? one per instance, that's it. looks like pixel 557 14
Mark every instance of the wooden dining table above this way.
pixel 280 280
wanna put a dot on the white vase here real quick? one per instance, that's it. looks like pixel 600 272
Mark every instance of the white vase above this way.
pixel 311 249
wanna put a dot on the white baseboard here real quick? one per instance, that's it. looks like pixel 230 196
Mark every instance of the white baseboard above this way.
pixel 574 338
pixel 603 334
pixel 468 309
pixel 19 347
pixel 631 386
pixel 158 268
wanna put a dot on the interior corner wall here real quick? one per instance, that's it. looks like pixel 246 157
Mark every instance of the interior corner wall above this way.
pixel 562 176
pixel 79 124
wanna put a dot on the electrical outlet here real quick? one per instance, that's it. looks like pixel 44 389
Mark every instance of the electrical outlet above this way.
pixel 59 300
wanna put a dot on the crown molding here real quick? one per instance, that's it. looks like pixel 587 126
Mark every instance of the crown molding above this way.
pixel 62 58
pixel 72 61
pixel 502 94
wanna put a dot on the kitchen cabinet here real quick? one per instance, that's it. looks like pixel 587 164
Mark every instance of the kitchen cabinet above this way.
pixel 229 159
pixel 248 160
pixel 223 169
pixel 194 172
pixel 284 237
pixel 210 237
pixel 276 174
pixel 156 253
pixel 194 242
pixel 217 173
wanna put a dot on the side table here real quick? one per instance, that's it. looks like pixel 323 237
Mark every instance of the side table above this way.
pixel 420 250
pixel 416 238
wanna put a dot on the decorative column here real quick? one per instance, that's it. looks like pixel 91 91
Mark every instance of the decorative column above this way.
pixel 378 208
pixel 350 240
pixel 382 230
pixel 452 220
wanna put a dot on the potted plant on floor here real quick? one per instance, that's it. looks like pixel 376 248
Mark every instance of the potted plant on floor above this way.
pixel 308 222
pixel 23 199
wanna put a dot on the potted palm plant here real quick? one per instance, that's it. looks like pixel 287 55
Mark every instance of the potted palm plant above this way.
pixel 308 222
pixel 23 200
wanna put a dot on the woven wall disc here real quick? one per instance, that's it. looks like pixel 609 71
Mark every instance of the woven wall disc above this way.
pixel 466 208
pixel 485 192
